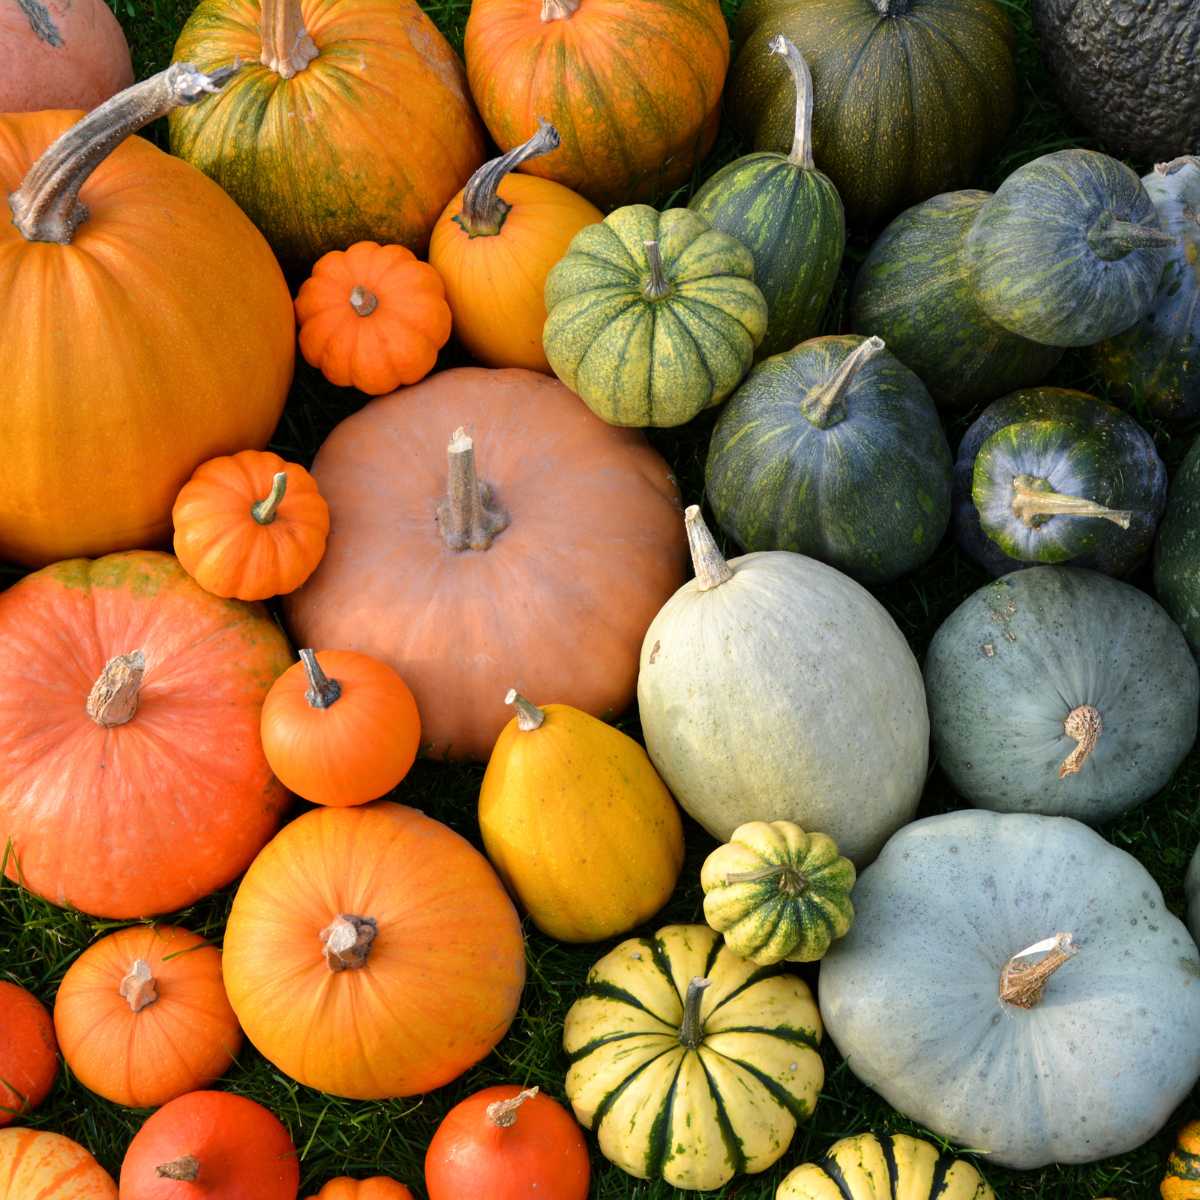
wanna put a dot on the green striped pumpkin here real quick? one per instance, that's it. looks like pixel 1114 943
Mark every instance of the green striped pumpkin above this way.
pixel 688 1062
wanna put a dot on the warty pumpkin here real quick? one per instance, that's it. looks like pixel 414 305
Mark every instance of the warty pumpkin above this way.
pixel 378 1187
pixel 1182 1179
pixel 28 1052
pixel 50 1167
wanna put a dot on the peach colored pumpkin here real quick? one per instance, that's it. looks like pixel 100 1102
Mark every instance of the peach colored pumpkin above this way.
pixel 36 1165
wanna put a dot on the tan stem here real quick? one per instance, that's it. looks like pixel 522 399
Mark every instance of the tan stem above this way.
pixel 185 1169
pixel 1033 500
pixel 363 301
pixel 469 517
pixel 559 10
pixel 346 942
pixel 691 1030
pixel 657 286
pixel 113 699
pixel 139 986
pixel 483 211
pixel 503 1114
pixel 707 560
pixel 1176 164
pixel 286 46
pixel 801 154
pixel 1084 725
pixel 529 716
pixel 322 691
pixel 265 511
pixel 827 405
pixel 1022 983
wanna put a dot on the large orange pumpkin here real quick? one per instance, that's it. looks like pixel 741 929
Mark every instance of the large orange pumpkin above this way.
pixel 47 1166
pixel 132 777
pixel 536 560
pixel 372 952
pixel 144 326
pixel 28 1053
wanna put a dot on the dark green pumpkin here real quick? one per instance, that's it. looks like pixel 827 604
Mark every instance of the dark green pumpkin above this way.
pixel 833 450
pixel 1177 554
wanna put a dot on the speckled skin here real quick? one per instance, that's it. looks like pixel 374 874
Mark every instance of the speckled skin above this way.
pixel 1177 553
pixel 911 995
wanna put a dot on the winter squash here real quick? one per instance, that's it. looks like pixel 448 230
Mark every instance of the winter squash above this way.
pixel 777 893
pixel 690 1063
pixel 578 824
pixel 49 1166
pixel 1177 551
pixel 115 278
pixel 342 730
pixel 748 716
pixel 633 86
pixel 378 1187
pixel 788 215
pixel 372 952
pixel 1060 691
pixel 28 1053
pixel 506 1143
pixel 576 532
pixel 653 316
pixel 1191 886
pixel 1069 250
pixel 910 94
pixel 250 526
pixel 495 244
pixel 914 290
pixel 145 692
pixel 142 1016
pixel 388 130
pixel 833 449
pixel 989 950
pixel 1182 1180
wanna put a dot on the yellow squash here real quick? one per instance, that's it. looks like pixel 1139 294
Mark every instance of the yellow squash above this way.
pixel 1182 1180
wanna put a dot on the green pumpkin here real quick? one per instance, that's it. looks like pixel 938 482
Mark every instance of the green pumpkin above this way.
pixel 914 291
pixel 1069 250
pixel 789 216
pixel 1177 554
pixel 833 450
pixel 652 316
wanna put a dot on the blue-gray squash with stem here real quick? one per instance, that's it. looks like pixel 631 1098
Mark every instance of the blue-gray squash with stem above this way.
pixel 1177 551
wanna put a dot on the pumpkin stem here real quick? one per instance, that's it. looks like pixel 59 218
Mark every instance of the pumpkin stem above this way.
pixel 46 207
pixel 346 942
pixel 826 405
pixel 1022 983
pixel 264 511
pixel 113 699
pixel 1034 503
pixel 801 154
pixel 363 302
pixel 139 986
pixel 469 517
pixel 286 46
pixel 691 1031
pixel 185 1169
pixel 1083 725
pixel 503 1114
pixel 1112 239
pixel 707 560
pixel 791 882
pixel 892 8
pixel 1176 164
pixel 559 10
pixel 657 286
pixel 322 691
pixel 483 211
pixel 529 716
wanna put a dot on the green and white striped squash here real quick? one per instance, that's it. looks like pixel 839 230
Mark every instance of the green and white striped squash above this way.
pixel 688 1062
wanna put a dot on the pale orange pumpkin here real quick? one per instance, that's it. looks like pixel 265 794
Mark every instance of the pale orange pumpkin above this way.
pixel 376 1188
pixel 35 1165
pixel 28 1053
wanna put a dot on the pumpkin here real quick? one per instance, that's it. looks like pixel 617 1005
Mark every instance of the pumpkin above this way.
pixel 653 316
pixel 914 291
pixel 575 534
pixel 748 716
pixel 777 893
pixel 1182 1180
pixel 351 121
pixel 372 317
pixel 835 450
pixel 340 731
pixel 495 244
pixel 1191 885
pixel 633 86
pixel 1016 984
pixel 911 95
pixel 507 1144
pixel 690 1063
pixel 1068 251
pixel 378 1187
pixel 115 273
pixel 372 952
pixel 250 526
pixel 144 693
pixel 50 1167
pixel 28 1053
pixel 578 824
pixel 142 1016
pixel 1176 561
pixel 788 215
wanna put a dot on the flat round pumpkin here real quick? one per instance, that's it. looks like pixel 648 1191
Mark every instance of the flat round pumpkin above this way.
pixel 28 1052
pixel 48 1166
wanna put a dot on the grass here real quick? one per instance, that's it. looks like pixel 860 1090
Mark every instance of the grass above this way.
pixel 335 1136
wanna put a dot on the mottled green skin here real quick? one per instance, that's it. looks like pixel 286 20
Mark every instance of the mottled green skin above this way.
pixel 1177 554
pixel 790 218
pixel 1033 269
pixel 869 494
pixel 914 291
pixel 636 361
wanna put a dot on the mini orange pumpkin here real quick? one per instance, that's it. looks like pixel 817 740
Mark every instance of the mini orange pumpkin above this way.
pixel 28 1054
pixel 377 1188
pixel 49 1166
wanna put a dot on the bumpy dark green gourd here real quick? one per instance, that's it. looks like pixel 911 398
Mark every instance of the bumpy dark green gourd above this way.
pixel 1177 554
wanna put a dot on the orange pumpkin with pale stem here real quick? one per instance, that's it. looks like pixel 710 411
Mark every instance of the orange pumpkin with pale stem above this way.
pixel 35 1165
pixel 376 1188
pixel 28 1053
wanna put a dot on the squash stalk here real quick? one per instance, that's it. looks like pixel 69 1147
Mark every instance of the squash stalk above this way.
pixel 892 8
pixel 483 211
pixel 1084 726
pixel 1112 239
pixel 801 155
pixel 707 560
pixel 184 1170
pixel 363 301
pixel 691 1031
pixel 113 699
pixel 559 10
pixel 1034 502
pixel 827 405
pixel 346 942
pixel 529 716
pixel 287 47
pixel 139 986
pixel 503 1114
pixel 322 691
pixel 264 511
pixel 1022 983
pixel 657 286
pixel 791 882
pixel 469 517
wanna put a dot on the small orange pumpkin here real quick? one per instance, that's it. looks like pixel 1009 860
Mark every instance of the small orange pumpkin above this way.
pixel 377 1188
pixel 48 1166
pixel 1182 1180
pixel 372 317
pixel 28 1054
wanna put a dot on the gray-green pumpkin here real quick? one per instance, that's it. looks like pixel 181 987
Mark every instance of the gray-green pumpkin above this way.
pixel 1062 692
pixel 1177 552
pixel 834 450
pixel 652 316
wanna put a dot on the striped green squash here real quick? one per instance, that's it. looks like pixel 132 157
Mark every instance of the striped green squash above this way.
pixel 789 215
pixel 688 1062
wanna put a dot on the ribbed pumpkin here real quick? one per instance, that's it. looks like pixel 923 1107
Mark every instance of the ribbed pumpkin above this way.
pixel 123 279
pixel 48 1166
pixel 378 1187
pixel 1182 1180
pixel 28 1052
pixel 1177 552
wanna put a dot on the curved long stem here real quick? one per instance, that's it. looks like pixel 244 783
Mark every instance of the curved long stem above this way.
pixel 801 154
pixel 503 1114
pixel 1033 500
pixel 287 47
pixel 827 405
pixel 791 882
pixel 469 517
pixel 265 511
pixel 1177 164
pixel 1022 983
pixel 1083 725
pixel 1112 239
pixel 483 211
pixel 691 1031
pixel 322 691
pixel 113 699
pixel 707 560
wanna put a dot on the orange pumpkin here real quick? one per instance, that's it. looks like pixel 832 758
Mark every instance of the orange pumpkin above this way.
pixel 544 576
pixel 28 1053
pixel 144 326
pixel 142 1016
pixel 132 777
pixel 372 952
pixel 494 246
pixel 340 731
pixel 376 1188
pixel 250 526
pixel 47 1166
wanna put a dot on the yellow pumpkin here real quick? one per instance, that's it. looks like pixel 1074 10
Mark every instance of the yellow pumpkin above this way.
pixel 1182 1180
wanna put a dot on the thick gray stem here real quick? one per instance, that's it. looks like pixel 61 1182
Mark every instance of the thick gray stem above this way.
pixel 801 154
pixel 707 560
pixel 469 517
pixel 483 211
pixel 827 405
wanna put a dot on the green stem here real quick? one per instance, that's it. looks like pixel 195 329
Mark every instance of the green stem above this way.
pixel 801 154
pixel 1034 500
pixel 658 286
pixel 1112 239
pixel 322 691
pixel 827 405
pixel 483 212
pixel 265 511
pixel 791 882
pixel 691 1032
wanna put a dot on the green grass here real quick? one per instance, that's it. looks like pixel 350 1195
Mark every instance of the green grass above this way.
pixel 334 1136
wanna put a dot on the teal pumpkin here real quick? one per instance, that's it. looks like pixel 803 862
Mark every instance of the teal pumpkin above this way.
pixel 1177 554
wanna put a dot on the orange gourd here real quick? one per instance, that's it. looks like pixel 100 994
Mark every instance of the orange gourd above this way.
pixel 35 1165
pixel 376 1188
pixel 28 1053
pixel 372 317
pixel 142 1016
pixel 1182 1178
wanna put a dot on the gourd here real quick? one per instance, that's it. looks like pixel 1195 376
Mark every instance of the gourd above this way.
pixel 690 1063
pixel 1182 1180
pixel 144 692
pixel 977 988
pixel 378 1187
pixel 788 215
pixel 652 316
pixel 1060 691
pixel 371 952
pixel 748 716
pixel 833 449
pixel 116 286
pixel 577 823
pixel 1191 887
pixel 553 527
pixel 28 1053
pixel 1177 551
pixel 49 1166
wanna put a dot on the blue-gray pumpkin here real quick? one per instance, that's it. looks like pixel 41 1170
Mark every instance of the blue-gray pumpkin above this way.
pixel 1177 552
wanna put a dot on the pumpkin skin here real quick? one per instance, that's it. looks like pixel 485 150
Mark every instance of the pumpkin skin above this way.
pixel 651 337
pixel 1191 887
pixel 1177 551
pixel 378 1187
pixel 1182 1180
pixel 692 1083
pixel 28 1052
pixel 50 1167
pixel 178 798
pixel 370 1020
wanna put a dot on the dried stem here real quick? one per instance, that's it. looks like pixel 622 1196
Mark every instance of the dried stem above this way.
pixel 503 1114
pixel 322 691
pixel 185 1169
pixel 286 46
pixel 802 154
pixel 346 942
pixel 827 405
pixel 113 699
pixel 1022 983
pixel 691 1030
pixel 469 517
pixel 1085 725
pixel 483 211
pixel 657 286
pixel 707 560
pixel 363 301
pixel 139 986
pixel 529 716
pixel 1034 501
